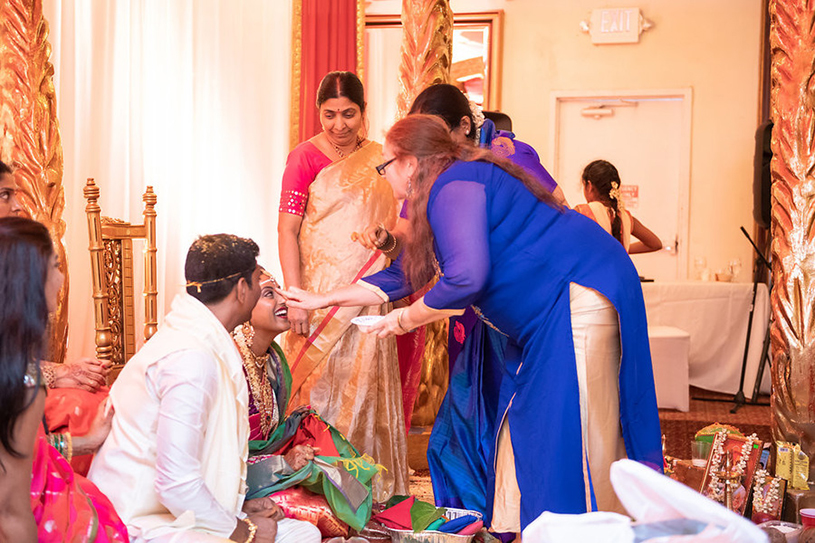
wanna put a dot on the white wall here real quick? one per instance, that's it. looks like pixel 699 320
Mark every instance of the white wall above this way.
pixel 712 46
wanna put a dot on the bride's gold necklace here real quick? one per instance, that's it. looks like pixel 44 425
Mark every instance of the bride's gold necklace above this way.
pixel 339 151
pixel 255 365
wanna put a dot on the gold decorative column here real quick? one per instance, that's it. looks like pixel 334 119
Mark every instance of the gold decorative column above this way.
pixel 427 48
pixel 792 42
pixel 427 54
pixel 29 132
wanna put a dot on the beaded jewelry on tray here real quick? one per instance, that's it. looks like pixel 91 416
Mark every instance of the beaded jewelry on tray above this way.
pixel 293 202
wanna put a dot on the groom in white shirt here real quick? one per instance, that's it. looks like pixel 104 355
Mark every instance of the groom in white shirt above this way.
pixel 174 464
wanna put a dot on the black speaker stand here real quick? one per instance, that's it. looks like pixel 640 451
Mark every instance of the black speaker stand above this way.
pixel 739 399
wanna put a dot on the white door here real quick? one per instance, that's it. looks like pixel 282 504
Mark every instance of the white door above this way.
pixel 646 135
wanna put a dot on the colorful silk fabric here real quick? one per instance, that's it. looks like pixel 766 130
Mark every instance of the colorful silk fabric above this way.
pixel 339 473
pixel 301 504
pixel 67 507
pixel 462 444
pixel 504 145
pixel 350 378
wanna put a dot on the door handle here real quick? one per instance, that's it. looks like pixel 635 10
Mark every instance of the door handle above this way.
pixel 673 249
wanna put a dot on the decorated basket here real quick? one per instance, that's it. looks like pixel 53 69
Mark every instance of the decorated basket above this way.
pixel 432 536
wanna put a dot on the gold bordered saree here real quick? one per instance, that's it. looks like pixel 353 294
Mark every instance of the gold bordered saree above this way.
pixel 351 379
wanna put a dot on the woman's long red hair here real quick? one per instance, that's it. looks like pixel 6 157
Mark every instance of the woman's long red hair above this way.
pixel 428 139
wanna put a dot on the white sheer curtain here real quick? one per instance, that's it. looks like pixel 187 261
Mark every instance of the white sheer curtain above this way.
pixel 189 96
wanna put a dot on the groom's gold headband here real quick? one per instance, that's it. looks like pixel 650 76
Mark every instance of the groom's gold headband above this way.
pixel 199 284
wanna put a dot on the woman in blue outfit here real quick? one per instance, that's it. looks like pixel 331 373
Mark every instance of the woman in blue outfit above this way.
pixel 578 388
pixel 462 443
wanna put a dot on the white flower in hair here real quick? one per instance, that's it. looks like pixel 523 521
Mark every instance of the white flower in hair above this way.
pixel 616 194
pixel 478 114
pixel 478 119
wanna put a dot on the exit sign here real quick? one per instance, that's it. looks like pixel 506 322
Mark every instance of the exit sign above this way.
pixel 616 25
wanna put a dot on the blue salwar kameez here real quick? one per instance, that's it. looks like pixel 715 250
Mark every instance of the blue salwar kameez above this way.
pixel 514 257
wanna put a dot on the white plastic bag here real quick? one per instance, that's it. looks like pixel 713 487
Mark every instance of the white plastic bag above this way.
pixel 656 501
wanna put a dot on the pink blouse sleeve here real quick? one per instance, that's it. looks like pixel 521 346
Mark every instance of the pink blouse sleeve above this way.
pixel 302 166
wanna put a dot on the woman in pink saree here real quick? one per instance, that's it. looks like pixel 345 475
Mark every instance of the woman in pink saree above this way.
pixel 41 499
pixel 330 192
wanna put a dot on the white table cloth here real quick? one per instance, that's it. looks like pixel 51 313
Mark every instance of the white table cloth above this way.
pixel 715 315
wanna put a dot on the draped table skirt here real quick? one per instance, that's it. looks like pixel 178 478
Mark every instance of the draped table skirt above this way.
pixel 715 315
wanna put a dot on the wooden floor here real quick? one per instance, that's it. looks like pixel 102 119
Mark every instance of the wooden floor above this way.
pixel 678 428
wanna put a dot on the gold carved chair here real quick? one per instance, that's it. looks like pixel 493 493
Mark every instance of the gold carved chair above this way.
pixel 111 249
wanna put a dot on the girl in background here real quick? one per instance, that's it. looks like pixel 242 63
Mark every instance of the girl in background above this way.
pixel 601 187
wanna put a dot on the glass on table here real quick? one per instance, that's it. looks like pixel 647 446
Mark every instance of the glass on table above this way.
pixel 735 267
pixel 699 265
pixel 699 450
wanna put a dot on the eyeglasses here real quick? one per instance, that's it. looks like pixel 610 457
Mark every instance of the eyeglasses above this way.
pixel 381 168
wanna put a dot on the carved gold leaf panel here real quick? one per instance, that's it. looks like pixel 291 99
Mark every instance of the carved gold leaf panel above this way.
pixel 112 258
pixel 792 42
pixel 427 48
pixel 29 133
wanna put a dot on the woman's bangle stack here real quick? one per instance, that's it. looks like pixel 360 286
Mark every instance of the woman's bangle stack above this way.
pixel 389 244
pixel 62 443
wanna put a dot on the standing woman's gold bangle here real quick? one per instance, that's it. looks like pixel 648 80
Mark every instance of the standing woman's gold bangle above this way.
pixel 399 321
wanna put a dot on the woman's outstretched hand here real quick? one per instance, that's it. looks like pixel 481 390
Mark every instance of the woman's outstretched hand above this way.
pixel 302 299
